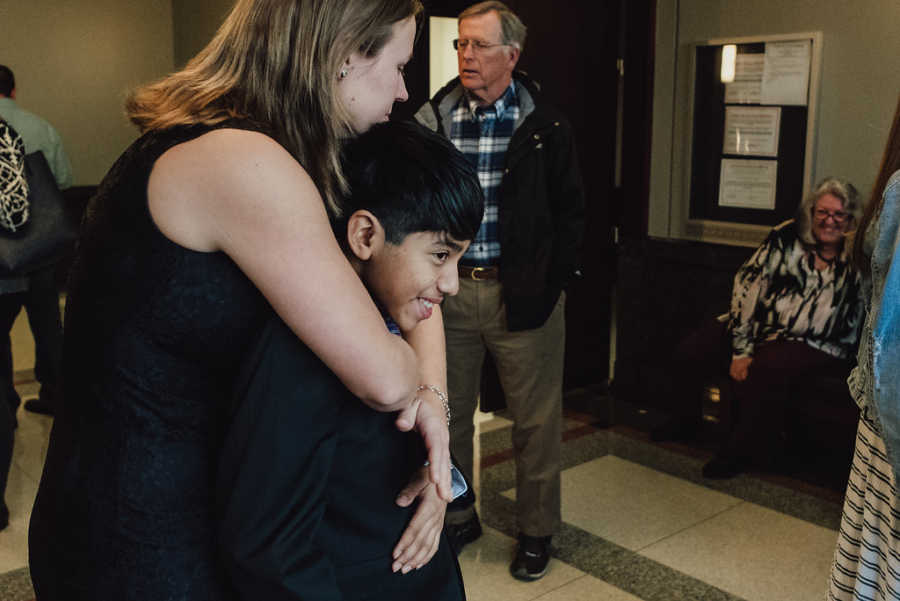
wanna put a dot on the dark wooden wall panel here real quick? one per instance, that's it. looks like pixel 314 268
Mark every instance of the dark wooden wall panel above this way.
pixel 666 288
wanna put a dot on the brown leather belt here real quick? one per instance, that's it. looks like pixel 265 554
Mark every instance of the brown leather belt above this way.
pixel 479 273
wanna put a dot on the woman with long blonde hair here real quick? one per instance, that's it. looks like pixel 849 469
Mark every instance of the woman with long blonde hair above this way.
pixel 219 211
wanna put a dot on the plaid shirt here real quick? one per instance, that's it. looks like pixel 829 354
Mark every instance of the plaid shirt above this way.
pixel 482 134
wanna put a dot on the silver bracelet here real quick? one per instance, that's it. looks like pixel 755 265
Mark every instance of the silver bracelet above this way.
pixel 441 397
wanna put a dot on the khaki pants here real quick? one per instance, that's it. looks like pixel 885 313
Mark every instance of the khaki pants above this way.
pixel 530 366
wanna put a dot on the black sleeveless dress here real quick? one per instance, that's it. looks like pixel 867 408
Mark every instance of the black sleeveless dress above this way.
pixel 154 333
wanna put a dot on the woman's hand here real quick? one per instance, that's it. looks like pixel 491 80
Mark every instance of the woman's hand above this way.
pixel 429 418
pixel 422 537
pixel 740 367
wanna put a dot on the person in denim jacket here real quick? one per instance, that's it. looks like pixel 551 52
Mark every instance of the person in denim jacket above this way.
pixel 867 558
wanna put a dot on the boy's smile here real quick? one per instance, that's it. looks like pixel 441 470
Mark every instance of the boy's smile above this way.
pixel 409 279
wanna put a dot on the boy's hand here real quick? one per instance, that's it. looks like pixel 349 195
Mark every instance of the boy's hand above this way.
pixel 422 537
pixel 428 417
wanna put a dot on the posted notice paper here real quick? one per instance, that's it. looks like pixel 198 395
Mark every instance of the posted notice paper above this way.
pixel 752 131
pixel 747 183
pixel 786 73
pixel 748 77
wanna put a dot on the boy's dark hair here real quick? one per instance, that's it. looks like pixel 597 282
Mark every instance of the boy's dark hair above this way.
pixel 412 180
pixel 7 81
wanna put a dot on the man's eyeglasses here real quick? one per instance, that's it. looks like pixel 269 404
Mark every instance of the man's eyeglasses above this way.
pixel 837 216
pixel 477 45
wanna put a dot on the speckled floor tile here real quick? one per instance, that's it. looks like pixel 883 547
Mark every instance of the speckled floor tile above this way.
pixel 16 586
pixel 632 505
pixel 754 552
pixel 485 569
pixel 29 452
pixel 825 512
pixel 496 437
pixel 22 343
pixel 606 561
pixel 490 422
pixel 20 492
pixel 495 440
pixel 588 563
pixel 31 439
pixel 588 588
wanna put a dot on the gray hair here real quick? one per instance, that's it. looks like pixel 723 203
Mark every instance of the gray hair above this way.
pixel 511 25
pixel 843 191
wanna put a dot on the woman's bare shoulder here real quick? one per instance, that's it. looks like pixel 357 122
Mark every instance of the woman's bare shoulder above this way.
pixel 215 179
pixel 222 157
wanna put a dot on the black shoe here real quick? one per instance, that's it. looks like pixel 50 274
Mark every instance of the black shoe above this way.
pixel 721 467
pixel 4 515
pixel 39 406
pixel 677 428
pixel 460 535
pixel 532 558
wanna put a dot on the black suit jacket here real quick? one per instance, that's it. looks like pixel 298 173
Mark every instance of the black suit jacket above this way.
pixel 306 487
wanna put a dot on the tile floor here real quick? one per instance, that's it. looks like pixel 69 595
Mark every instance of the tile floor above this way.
pixel 631 531
pixel 24 474
pixel 640 523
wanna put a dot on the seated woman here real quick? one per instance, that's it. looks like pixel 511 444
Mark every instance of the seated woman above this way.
pixel 795 314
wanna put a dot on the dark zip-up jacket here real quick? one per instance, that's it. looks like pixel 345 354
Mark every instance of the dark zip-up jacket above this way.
pixel 541 202
pixel 306 485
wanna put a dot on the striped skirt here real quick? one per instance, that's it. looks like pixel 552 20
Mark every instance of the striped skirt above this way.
pixel 867 559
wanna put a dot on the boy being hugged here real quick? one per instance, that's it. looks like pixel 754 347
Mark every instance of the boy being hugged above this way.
pixel 307 485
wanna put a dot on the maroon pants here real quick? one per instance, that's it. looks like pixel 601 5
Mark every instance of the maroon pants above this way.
pixel 758 403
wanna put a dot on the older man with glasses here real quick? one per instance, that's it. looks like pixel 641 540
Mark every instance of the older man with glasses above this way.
pixel 511 300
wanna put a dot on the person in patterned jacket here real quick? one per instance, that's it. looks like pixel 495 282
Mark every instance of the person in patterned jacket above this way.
pixel 796 312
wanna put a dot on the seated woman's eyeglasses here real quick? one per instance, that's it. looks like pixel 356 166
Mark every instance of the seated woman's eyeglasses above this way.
pixel 477 45
pixel 837 216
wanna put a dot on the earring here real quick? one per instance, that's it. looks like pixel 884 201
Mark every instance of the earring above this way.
pixel 344 73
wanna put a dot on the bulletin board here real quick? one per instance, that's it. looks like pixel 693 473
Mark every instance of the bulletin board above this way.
pixel 752 132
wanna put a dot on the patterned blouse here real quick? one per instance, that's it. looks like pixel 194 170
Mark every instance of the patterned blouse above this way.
pixel 780 295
